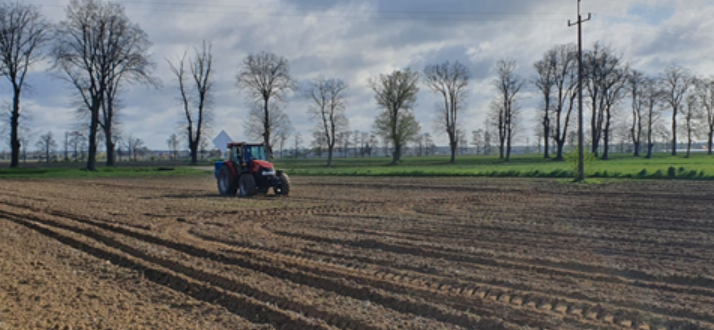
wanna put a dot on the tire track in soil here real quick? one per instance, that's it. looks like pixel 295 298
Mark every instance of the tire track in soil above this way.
pixel 503 292
pixel 464 300
pixel 430 271
pixel 519 238
pixel 361 210
pixel 394 302
pixel 552 305
pixel 246 307
pixel 571 271
pixel 546 267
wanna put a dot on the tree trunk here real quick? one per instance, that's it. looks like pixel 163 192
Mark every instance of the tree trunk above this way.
pixel 109 143
pixel 92 152
pixel 546 133
pixel 14 129
pixel 330 148
pixel 606 145
pixel 194 151
pixel 649 145
pixel 110 152
pixel 397 154
pixel 266 128
pixel 508 147
pixel 637 148
pixel 560 144
pixel 452 144
pixel 710 142
pixel 674 132
pixel 689 143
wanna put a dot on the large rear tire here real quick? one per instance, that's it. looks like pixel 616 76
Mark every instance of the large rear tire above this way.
pixel 283 187
pixel 247 185
pixel 226 182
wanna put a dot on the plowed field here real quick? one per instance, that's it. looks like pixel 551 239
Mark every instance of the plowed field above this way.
pixel 356 253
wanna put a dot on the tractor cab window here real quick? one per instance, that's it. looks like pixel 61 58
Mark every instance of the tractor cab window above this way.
pixel 254 153
pixel 235 154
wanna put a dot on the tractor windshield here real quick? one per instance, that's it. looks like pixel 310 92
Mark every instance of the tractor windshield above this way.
pixel 254 153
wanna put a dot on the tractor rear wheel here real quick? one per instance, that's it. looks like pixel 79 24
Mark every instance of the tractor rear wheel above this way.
pixel 283 187
pixel 247 185
pixel 226 182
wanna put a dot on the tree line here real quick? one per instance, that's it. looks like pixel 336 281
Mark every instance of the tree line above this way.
pixel 98 51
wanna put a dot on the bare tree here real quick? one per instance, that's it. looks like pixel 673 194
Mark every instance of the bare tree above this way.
pixel 265 77
pixel 328 108
pixel 75 141
pixel 173 144
pixel 373 144
pixel 705 95
pixel 24 32
pixel 545 82
pixel 282 137
pixel 505 107
pixel 463 143
pixel 133 145
pixel 652 97
pixel 197 96
pixel 97 48
pixel 318 143
pixel 565 80
pixel 277 121
pixel 47 145
pixel 356 141
pixel 477 140
pixel 298 144
pixel 396 95
pixel 66 145
pixel 487 136
pixel 606 77
pixel 676 82
pixel 450 80
pixel 636 82
pixel 692 114
pixel 344 140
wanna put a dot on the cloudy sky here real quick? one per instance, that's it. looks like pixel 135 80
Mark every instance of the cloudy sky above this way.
pixel 354 40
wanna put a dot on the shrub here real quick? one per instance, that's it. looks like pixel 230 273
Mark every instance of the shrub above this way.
pixel 642 173
pixel 671 172
pixel 572 158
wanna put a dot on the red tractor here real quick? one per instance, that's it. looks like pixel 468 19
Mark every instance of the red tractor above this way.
pixel 247 171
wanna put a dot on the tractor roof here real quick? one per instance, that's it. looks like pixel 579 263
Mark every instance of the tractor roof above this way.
pixel 238 144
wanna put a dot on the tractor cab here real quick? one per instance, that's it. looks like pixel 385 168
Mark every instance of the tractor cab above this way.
pixel 247 170
pixel 245 153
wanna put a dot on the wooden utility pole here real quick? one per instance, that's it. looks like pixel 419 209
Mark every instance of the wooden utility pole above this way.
pixel 581 166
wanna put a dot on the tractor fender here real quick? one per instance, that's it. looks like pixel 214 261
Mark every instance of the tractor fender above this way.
pixel 232 167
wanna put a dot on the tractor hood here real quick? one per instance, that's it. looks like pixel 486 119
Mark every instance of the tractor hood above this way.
pixel 255 165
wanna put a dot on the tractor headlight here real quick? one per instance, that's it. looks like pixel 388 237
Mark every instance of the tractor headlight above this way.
pixel 268 173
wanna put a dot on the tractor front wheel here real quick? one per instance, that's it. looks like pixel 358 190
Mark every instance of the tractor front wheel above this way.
pixel 247 185
pixel 283 187
pixel 226 182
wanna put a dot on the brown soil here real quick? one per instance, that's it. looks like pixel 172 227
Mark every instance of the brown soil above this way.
pixel 356 253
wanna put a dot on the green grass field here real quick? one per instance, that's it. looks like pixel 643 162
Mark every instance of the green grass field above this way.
pixel 620 166
pixel 699 166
